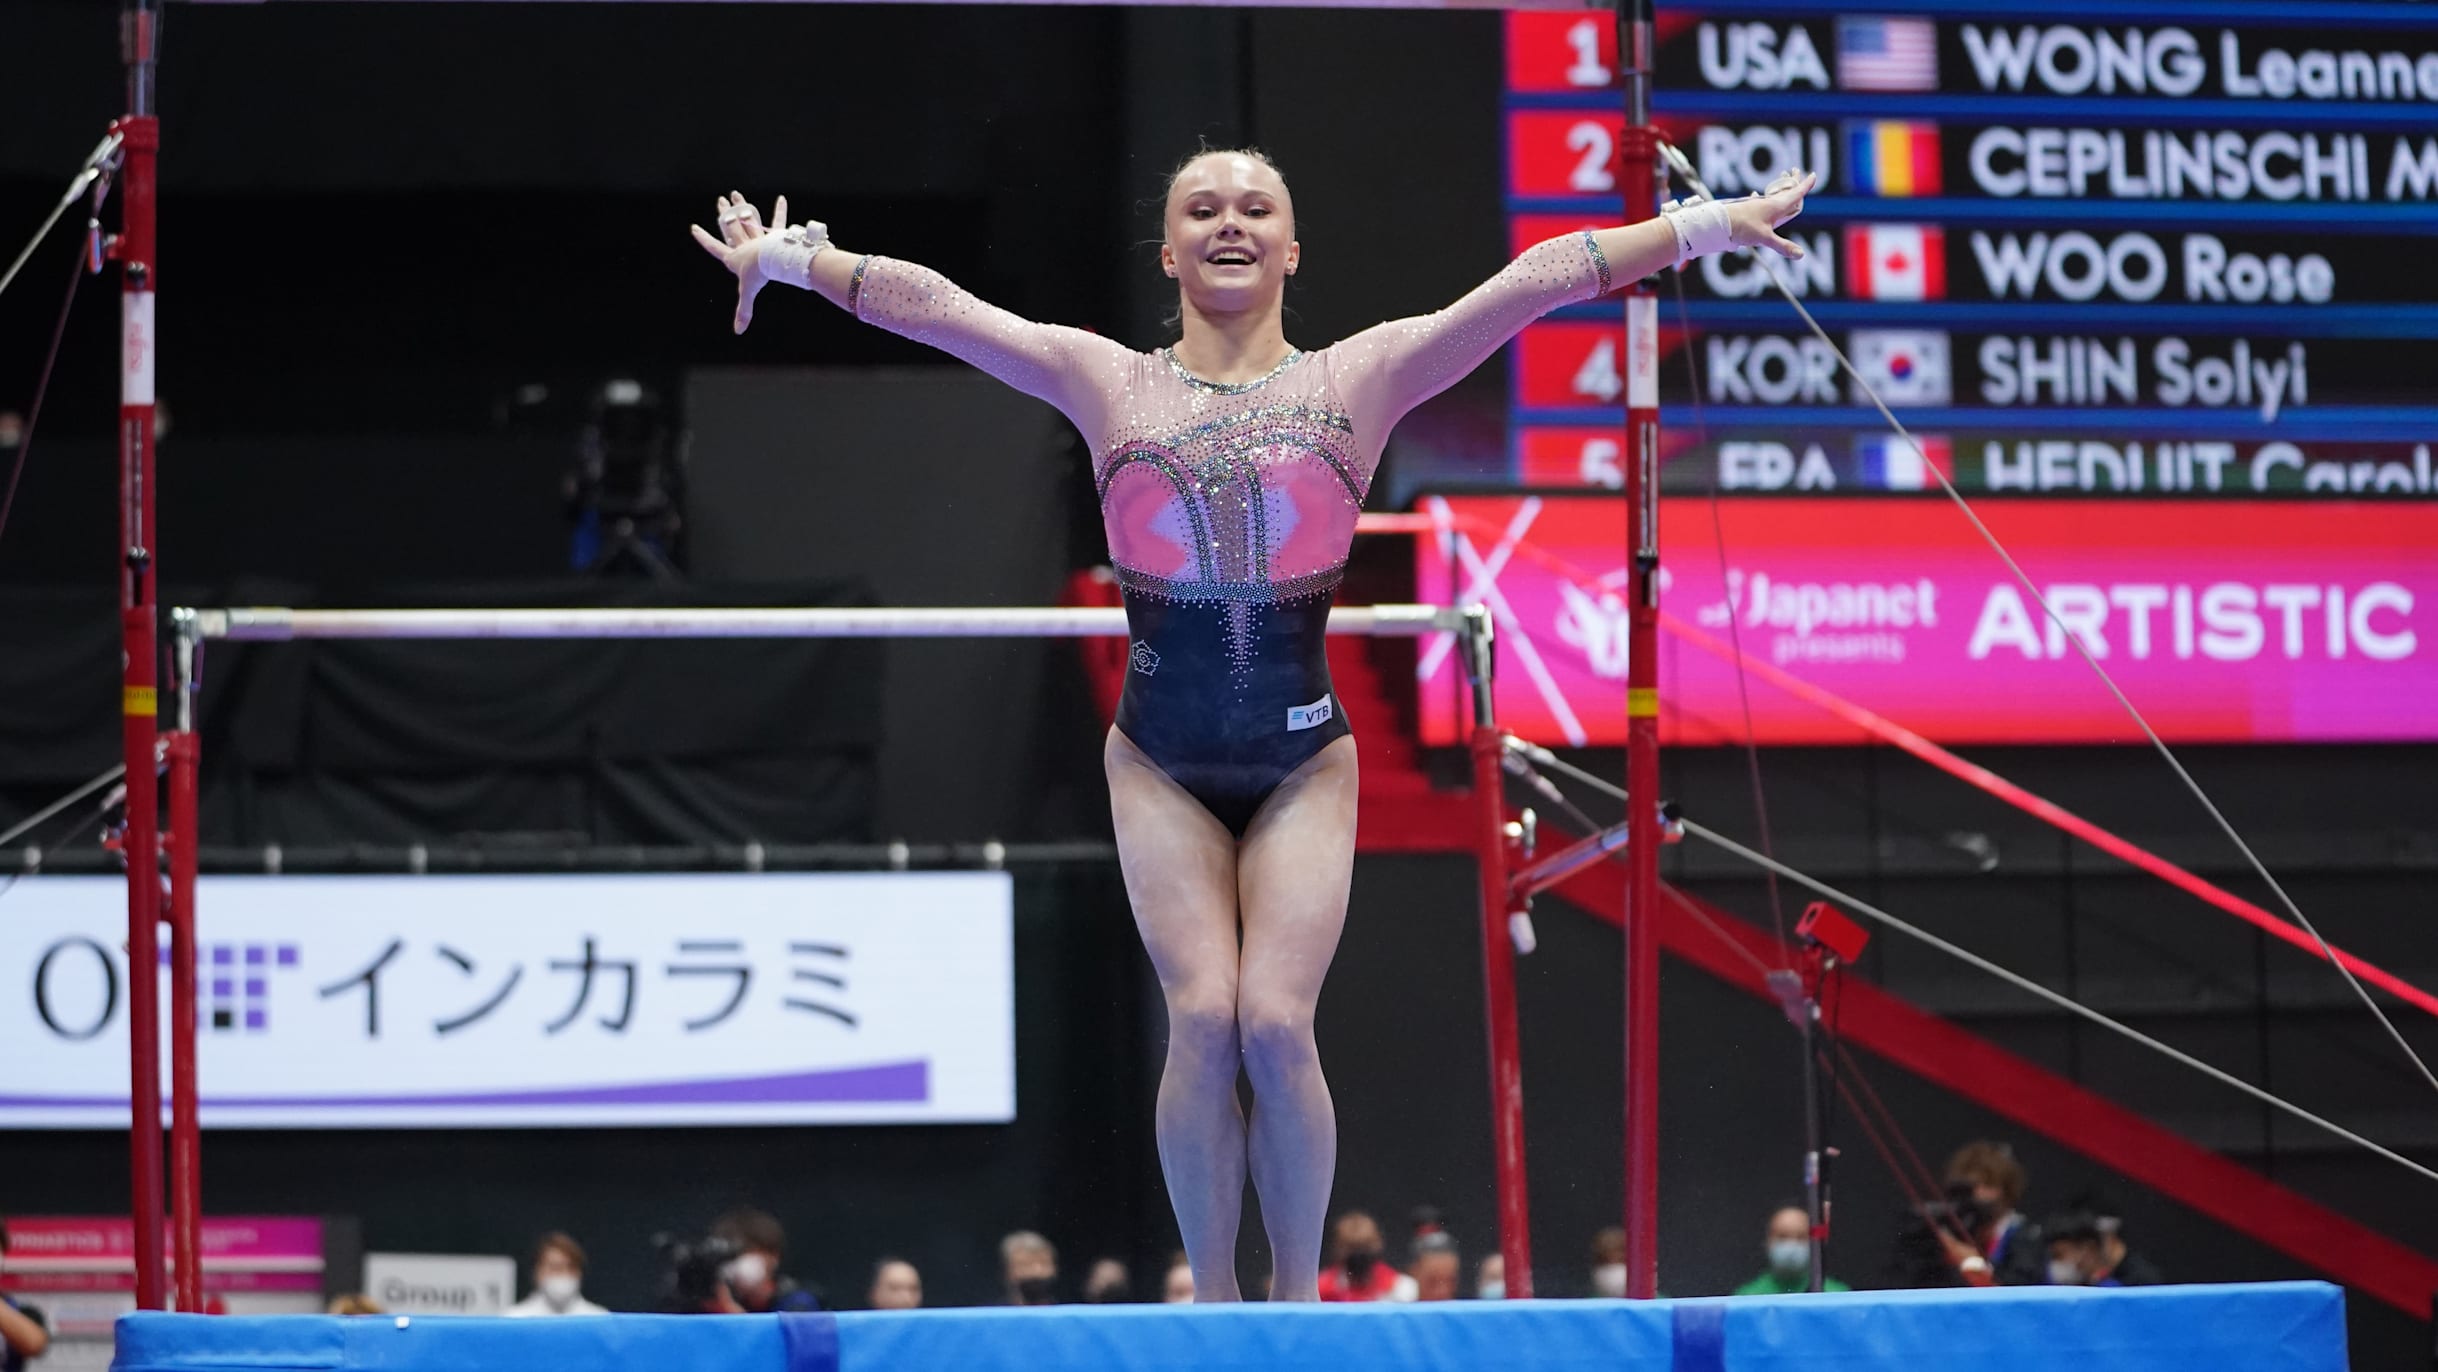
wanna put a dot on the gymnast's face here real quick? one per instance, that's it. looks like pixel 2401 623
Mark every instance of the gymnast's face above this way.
pixel 1231 233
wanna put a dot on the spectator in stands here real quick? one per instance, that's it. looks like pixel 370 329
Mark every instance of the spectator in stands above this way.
pixel 1433 1271
pixel 1108 1283
pixel 895 1285
pixel 2087 1248
pixel 1490 1279
pixel 1608 1263
pixel 1353 1269
pixel 1986 1184
pixel 558 1280
pixel 1031 1268
pixel 1177 1288
pixel 1788 1241
pixel 753 1277
pixel 354 1303
pixel 24 1333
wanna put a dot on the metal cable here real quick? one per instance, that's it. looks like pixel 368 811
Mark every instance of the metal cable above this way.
pixel 2063 1002
pixel 1683 168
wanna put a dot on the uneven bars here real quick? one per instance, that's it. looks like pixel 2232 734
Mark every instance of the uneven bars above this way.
pixel 276 624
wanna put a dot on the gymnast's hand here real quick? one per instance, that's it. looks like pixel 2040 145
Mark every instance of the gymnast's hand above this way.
pixel 744 247
pixel 1753 221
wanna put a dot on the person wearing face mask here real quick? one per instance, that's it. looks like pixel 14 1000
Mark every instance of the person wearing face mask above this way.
pixel 1788 1242
pixel 1230 468
pixel 2087 1248
pixel 752 1278
pixel 24 1334
pixel 1357 1269
pixel 558 1280
pixel 1608 1263
pixel 1030 1265
pixel 1490 1279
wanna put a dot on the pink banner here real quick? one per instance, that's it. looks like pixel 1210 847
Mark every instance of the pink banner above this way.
pixel 2267 621
pixel 97 1253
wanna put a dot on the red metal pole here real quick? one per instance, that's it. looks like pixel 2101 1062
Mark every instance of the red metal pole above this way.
pixel 185 1128
pixel 1498 970
pixel 134 251
pixel 1639 179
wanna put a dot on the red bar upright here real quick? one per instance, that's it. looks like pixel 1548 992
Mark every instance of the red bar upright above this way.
pixel 1498 968
pixel 1639 180
pixel 185 1126
pixel 139 31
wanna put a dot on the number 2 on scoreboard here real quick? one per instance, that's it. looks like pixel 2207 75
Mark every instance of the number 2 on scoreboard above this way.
pixel 1592 174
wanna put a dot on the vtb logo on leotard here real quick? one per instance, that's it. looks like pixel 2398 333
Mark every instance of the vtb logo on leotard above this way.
pixel 1311 716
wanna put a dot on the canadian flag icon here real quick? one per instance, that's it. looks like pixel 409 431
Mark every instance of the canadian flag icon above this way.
pixel 1896 262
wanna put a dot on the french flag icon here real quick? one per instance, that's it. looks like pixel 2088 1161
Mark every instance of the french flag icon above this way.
pixel 1896 262
pixel 1885 462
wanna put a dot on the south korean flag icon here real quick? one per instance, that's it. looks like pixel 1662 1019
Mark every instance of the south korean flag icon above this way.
pixel 1906 366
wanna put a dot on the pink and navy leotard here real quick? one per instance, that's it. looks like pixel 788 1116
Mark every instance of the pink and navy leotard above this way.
pixel 1230 508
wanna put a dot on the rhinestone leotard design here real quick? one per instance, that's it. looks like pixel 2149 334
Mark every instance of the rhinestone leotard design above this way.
pixel 1230 508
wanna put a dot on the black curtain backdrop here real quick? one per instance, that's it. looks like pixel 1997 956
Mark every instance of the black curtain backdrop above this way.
pixel 564 742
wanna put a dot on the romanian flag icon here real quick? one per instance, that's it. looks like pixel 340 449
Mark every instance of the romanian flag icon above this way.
pixel 1893 157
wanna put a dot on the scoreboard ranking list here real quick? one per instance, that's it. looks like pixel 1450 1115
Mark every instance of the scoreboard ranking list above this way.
pixel 2173 256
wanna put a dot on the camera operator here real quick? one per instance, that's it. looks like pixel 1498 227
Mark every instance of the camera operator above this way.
pixel 1976 1236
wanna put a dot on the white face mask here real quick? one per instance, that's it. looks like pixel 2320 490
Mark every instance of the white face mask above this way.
pixel 1608 1279
pixel 2063 1272
pixel 560 1289
pixel 749 1270
pixel 1493 1291
pixel 1790 1255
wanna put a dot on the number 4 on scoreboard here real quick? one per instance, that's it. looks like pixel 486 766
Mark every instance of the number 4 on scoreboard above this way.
pixel 1597 380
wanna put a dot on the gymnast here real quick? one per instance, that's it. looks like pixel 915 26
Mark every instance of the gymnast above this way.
pixel 1230 467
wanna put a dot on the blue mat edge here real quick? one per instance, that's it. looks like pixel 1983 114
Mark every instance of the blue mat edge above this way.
pixel 1705 1334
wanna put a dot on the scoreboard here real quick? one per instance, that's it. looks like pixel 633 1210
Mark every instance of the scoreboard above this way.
pixel 2127 254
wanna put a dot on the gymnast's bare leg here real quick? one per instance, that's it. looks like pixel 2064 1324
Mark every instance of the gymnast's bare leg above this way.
pixel 1293 873
pixel 1241 939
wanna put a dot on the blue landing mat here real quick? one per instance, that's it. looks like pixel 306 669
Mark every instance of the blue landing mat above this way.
pixel 2286 1326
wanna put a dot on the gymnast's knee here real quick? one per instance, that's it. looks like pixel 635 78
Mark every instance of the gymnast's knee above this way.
pixel 1202 1025
pixel 1278 1042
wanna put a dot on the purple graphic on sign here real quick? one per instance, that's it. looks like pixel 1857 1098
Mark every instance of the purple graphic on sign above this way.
pixel 881 1083
pixel 219 1006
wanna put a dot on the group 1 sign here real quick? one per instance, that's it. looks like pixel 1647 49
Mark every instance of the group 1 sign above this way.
pixel 2253 621
pixel 507 1001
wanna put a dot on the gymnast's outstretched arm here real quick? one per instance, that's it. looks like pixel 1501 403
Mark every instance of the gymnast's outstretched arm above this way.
pixel 1070 368
pixel 1389 368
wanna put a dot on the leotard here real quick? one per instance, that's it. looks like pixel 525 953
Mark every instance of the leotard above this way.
pixel 1230 509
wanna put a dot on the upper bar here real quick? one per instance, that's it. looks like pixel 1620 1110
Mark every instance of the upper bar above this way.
pixel 274 624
